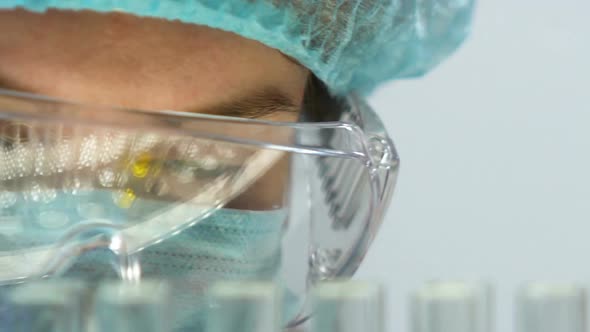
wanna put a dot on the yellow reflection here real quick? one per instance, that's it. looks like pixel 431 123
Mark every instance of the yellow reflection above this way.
pixel 126 199
pixel 141 166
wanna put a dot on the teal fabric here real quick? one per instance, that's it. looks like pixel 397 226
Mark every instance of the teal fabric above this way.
pixel 228 245
pixel 349 44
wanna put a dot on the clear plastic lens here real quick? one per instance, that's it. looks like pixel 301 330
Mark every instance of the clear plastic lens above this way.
pixel 185 196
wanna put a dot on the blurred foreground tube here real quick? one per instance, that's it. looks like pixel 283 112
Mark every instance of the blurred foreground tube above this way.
pixel 244 307
pixel 347 306
pixel 452 307
pixel 50 306
pixel 132 307
pixel 543 307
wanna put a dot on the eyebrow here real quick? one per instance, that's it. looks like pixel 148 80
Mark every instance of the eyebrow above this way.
pixel 6 83
pixel 258 104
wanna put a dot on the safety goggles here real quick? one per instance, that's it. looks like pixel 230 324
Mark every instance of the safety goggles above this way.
pixel 78 178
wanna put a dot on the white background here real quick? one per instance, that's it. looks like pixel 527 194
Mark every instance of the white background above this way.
pixel 495 148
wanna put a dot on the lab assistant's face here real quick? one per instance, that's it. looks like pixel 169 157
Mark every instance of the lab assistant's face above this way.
pixel 130 62
pixel 121 60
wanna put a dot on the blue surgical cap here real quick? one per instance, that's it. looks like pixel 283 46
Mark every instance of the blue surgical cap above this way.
pixel 348 44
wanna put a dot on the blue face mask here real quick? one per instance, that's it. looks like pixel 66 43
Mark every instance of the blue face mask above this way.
pixel 227 245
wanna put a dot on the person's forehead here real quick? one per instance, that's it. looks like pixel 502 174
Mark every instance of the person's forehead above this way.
pixel 138 62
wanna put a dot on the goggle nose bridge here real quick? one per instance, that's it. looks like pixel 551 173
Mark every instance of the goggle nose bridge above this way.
pixel 94 236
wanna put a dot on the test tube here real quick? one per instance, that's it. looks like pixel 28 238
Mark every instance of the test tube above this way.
pixel 452 307
pixel 546 307
pixel 244 307
pixel 347 306
pixel 49 306
pixel 132 307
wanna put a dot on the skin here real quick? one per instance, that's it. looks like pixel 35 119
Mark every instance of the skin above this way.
pixel 121 60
